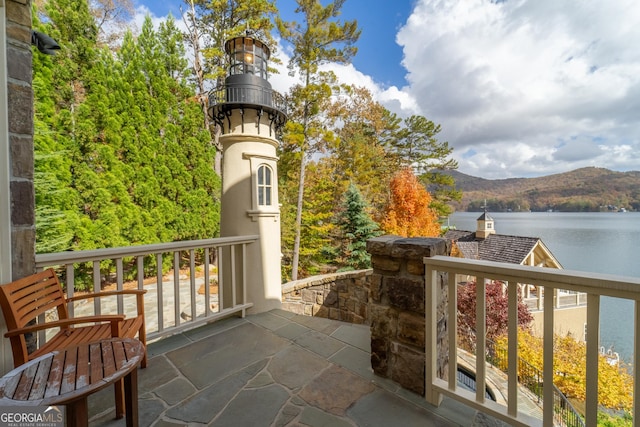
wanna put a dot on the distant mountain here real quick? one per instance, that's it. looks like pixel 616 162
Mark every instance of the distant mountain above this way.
pixel 583 190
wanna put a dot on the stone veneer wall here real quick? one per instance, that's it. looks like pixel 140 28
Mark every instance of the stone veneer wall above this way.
pixel 397 309
pixel 338 296
pixel 20 114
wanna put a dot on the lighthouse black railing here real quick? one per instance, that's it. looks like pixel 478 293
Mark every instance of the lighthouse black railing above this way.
pixel 247 95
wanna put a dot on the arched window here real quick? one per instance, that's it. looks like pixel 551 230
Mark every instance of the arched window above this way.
pixel 265 186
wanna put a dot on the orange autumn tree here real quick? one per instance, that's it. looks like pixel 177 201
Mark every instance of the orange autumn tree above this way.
pixel 408 213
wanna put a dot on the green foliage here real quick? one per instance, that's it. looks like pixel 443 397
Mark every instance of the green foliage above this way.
pixel 319 39
pixel 416 146
pixel 122 156
pixel 356 228
pixel 609 420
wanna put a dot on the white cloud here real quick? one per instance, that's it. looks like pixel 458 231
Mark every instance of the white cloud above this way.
pixel 527 87
pixel 520 87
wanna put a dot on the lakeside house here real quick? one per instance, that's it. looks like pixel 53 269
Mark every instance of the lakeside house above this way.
pixel 487 245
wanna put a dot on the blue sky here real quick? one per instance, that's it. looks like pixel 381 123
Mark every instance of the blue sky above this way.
pixel 521 88
pixel 378 53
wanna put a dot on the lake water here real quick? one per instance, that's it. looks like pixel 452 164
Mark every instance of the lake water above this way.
pixel 593 242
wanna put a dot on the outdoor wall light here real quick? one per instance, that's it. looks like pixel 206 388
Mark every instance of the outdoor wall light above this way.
pixel 44 43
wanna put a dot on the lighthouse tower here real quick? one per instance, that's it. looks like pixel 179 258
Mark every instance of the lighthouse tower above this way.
pixel 250 114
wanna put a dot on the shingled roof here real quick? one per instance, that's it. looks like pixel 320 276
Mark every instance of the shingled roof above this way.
pixel 496 247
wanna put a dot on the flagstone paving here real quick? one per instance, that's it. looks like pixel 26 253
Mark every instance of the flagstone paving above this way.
pixel 272 369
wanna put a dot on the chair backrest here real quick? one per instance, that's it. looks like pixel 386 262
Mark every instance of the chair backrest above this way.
pixel 25 299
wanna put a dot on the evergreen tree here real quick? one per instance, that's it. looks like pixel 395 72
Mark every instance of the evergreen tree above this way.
pixel 357 227
pixel 417 146
pixel 122 157
pixel 59 88
pixel 319 39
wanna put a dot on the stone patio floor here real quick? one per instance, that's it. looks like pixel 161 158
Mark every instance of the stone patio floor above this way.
pixel 272 369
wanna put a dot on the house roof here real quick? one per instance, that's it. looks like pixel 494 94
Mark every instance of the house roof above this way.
pixel 495 247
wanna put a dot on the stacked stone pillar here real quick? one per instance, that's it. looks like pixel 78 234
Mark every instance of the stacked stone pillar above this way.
pixel 20 134
pixel 397 309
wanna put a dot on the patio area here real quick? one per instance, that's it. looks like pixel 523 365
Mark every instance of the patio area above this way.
pixel 272 369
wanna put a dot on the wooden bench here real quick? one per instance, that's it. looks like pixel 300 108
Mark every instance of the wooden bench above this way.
pixel 25 300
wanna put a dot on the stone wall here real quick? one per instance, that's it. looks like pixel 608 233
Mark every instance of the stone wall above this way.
pixel 20 115
pixel 338 296
pixel 397 309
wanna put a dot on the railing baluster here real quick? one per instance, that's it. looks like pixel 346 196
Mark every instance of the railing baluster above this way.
pixel 176 288
pixel 96 286
pixel 160 292
pixel 207 284
pixel 636 364
pixel 593 343
pixel 481 333
pixel 452 324
pixel 221 305
pixel 547 362
pixel 71 283
pixel 244 277
pixel 192 270
pixel 234 283
pixel 512 351
pixel 120 284
pixel 140 268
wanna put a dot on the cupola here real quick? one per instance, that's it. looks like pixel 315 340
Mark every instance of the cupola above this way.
pixel 485 226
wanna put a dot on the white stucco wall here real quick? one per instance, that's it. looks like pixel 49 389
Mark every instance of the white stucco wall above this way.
pixel 244 150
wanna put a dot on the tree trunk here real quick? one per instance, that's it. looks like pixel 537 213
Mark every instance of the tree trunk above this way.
pixel 296 242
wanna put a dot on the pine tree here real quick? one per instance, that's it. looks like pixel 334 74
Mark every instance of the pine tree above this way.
pixel 320 39
pixel 416 146
pixel 357 227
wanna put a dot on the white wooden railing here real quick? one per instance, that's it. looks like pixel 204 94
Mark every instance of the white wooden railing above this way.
pixel 171 304
pixel 594 285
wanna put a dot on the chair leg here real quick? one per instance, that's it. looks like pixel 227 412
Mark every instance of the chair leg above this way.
pixel 120 406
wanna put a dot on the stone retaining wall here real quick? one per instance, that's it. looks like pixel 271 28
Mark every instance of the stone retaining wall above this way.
pixel 397 309
pixel 338 296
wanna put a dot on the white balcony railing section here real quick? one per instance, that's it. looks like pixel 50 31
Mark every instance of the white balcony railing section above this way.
pixel 172 304
pixel 593 285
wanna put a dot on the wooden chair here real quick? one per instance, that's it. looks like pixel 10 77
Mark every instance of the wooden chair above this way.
pixel 24 300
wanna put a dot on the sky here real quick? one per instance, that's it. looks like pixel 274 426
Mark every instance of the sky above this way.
pixel 521 88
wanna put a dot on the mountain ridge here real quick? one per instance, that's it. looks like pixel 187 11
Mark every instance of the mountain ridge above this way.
pixel 588 189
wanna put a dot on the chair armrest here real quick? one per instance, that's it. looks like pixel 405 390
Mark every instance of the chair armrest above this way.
pixel 113 319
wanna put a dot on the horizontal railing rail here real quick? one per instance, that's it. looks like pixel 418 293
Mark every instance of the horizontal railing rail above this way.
pixel 172 303
pixel 593 285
